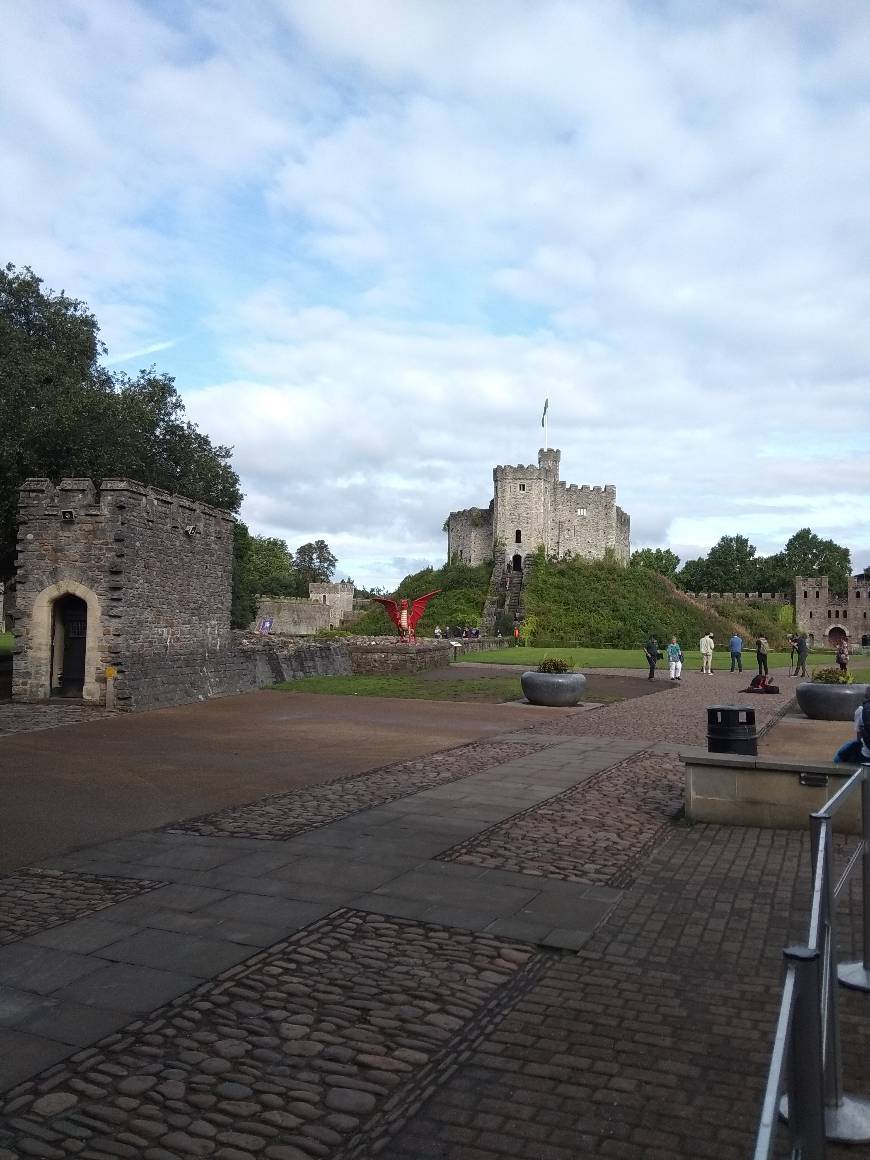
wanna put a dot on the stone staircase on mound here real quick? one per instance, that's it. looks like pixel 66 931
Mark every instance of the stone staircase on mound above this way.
pixel 503 602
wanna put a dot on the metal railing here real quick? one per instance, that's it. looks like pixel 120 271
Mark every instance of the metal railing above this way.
pixel 805 1081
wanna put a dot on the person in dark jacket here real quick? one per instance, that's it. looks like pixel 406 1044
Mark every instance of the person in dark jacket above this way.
pixel 803 651
pixel 652 654
pixel 761 650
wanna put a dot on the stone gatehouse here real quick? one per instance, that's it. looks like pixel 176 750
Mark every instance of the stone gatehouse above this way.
pixel 830 618
pixel 531 508
pixel 120 577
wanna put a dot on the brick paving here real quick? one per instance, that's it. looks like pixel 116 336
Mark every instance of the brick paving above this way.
pixel 592 833
pixel 681 717
pixel 653 1043
pixel 37 900
pixel 285 815
pixel 313 1047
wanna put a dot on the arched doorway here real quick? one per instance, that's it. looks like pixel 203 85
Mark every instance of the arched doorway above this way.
pixel 69 636
pixel 517 563
pixel 837 636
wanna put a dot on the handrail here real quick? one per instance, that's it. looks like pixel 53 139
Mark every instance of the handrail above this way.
pixel 804 1081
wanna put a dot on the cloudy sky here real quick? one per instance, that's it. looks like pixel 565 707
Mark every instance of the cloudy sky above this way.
pixel 369 237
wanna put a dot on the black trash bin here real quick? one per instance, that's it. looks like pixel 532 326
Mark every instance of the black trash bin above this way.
pixel 731 729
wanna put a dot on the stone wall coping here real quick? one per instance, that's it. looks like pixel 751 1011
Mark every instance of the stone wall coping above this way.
pixel 770 764
pixel 45 486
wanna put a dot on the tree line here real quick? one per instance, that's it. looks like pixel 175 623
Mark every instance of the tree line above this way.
pixel 65 414
pixel 733 565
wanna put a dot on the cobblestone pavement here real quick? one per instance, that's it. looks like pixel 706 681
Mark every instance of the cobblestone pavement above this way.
pixel 653 1043
pixel 37 900
pixel 681 717
pixel 18 718
pixel 312 1048
pixel 284 815
pixel 592 833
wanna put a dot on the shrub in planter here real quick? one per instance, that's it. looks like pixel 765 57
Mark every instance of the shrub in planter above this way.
pixel 830 696
pixel 553 684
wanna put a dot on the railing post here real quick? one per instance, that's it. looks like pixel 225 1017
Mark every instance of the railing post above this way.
pixel 806 1097
pixel 857 975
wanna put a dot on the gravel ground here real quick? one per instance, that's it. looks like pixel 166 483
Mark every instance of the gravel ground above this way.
pixel 594 833
pixel 681 717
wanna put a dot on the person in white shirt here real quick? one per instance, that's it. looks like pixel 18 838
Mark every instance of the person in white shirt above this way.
pixel 706 647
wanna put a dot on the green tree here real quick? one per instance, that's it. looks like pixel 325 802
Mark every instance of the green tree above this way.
pixel 807 554
pixel 270 567
pixel 314 563
pixel 693 576
pixel 731 565
pixel 64 414
pixel 661 560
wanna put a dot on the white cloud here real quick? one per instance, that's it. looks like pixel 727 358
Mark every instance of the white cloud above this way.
pixel 392 227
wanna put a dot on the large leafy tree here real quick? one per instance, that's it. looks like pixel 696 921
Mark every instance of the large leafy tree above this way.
pixel 807 554
pixel 62 413
pixel 731 565
pixel 661 560
pixel 315 563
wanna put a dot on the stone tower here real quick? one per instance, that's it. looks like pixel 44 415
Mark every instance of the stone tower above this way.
pixel 532 508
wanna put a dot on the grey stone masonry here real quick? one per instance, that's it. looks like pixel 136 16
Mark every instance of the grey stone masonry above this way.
pixel 533 508
pixel 154 571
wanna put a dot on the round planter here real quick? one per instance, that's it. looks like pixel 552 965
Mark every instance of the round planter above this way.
pixel 830 702
pixel 556 689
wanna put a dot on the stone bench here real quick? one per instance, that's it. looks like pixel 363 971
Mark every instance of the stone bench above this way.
pixel 768 792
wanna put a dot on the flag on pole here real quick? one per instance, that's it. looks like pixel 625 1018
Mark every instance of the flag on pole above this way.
pixel 544 416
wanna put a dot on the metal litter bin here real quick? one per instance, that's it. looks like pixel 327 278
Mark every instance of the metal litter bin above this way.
pixel 731 729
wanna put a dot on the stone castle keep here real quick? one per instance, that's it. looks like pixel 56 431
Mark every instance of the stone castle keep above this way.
pixel 531 508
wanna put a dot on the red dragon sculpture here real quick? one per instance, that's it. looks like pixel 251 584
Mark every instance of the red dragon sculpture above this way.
pixel 404 619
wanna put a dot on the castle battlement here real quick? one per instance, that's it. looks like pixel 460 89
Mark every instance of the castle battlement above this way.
pixel 40 498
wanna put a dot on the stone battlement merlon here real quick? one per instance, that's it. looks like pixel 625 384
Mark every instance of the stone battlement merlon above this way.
pixel 41 496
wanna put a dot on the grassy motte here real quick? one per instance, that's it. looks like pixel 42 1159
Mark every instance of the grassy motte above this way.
pixel 492 689
pixel 7 642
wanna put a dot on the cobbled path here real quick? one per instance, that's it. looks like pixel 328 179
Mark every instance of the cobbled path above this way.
pixel 313 1048
pixel 679 716
pixel 18 718
pixel 287 814
pixel 654 1042
pixel 593 833
pixel 36 900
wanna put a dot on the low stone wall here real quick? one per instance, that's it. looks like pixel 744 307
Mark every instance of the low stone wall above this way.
pixel 767 792
pixel 293 616
pixel 385 655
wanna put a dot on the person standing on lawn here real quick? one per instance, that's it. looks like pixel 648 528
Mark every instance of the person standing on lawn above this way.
pixel 761 651
pixel 675 660
pixel 803 651
pixel 735 644
pixel 652 654
pixel 706 647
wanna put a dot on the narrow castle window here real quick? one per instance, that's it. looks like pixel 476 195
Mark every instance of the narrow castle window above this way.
pixel 837 614
pixel 522 487
pixel 518 538
pixel 811 616
pixel 817 595
pixel 829 614
pixel 805 594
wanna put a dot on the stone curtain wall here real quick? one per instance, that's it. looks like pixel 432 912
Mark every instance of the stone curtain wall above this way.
pixel 741 597
pixel 293 616
pixel 382 656
pixel 155 571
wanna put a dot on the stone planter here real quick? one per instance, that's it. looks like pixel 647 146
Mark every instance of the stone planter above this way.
pixel 557 689
pixel 830 702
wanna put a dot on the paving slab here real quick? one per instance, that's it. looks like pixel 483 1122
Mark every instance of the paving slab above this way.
pixel 127 987
pixel 41 969
pixel 171 950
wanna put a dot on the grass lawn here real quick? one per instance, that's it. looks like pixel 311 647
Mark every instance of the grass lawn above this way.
pixel 7 642
pixel 624 658
pixel 492 689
